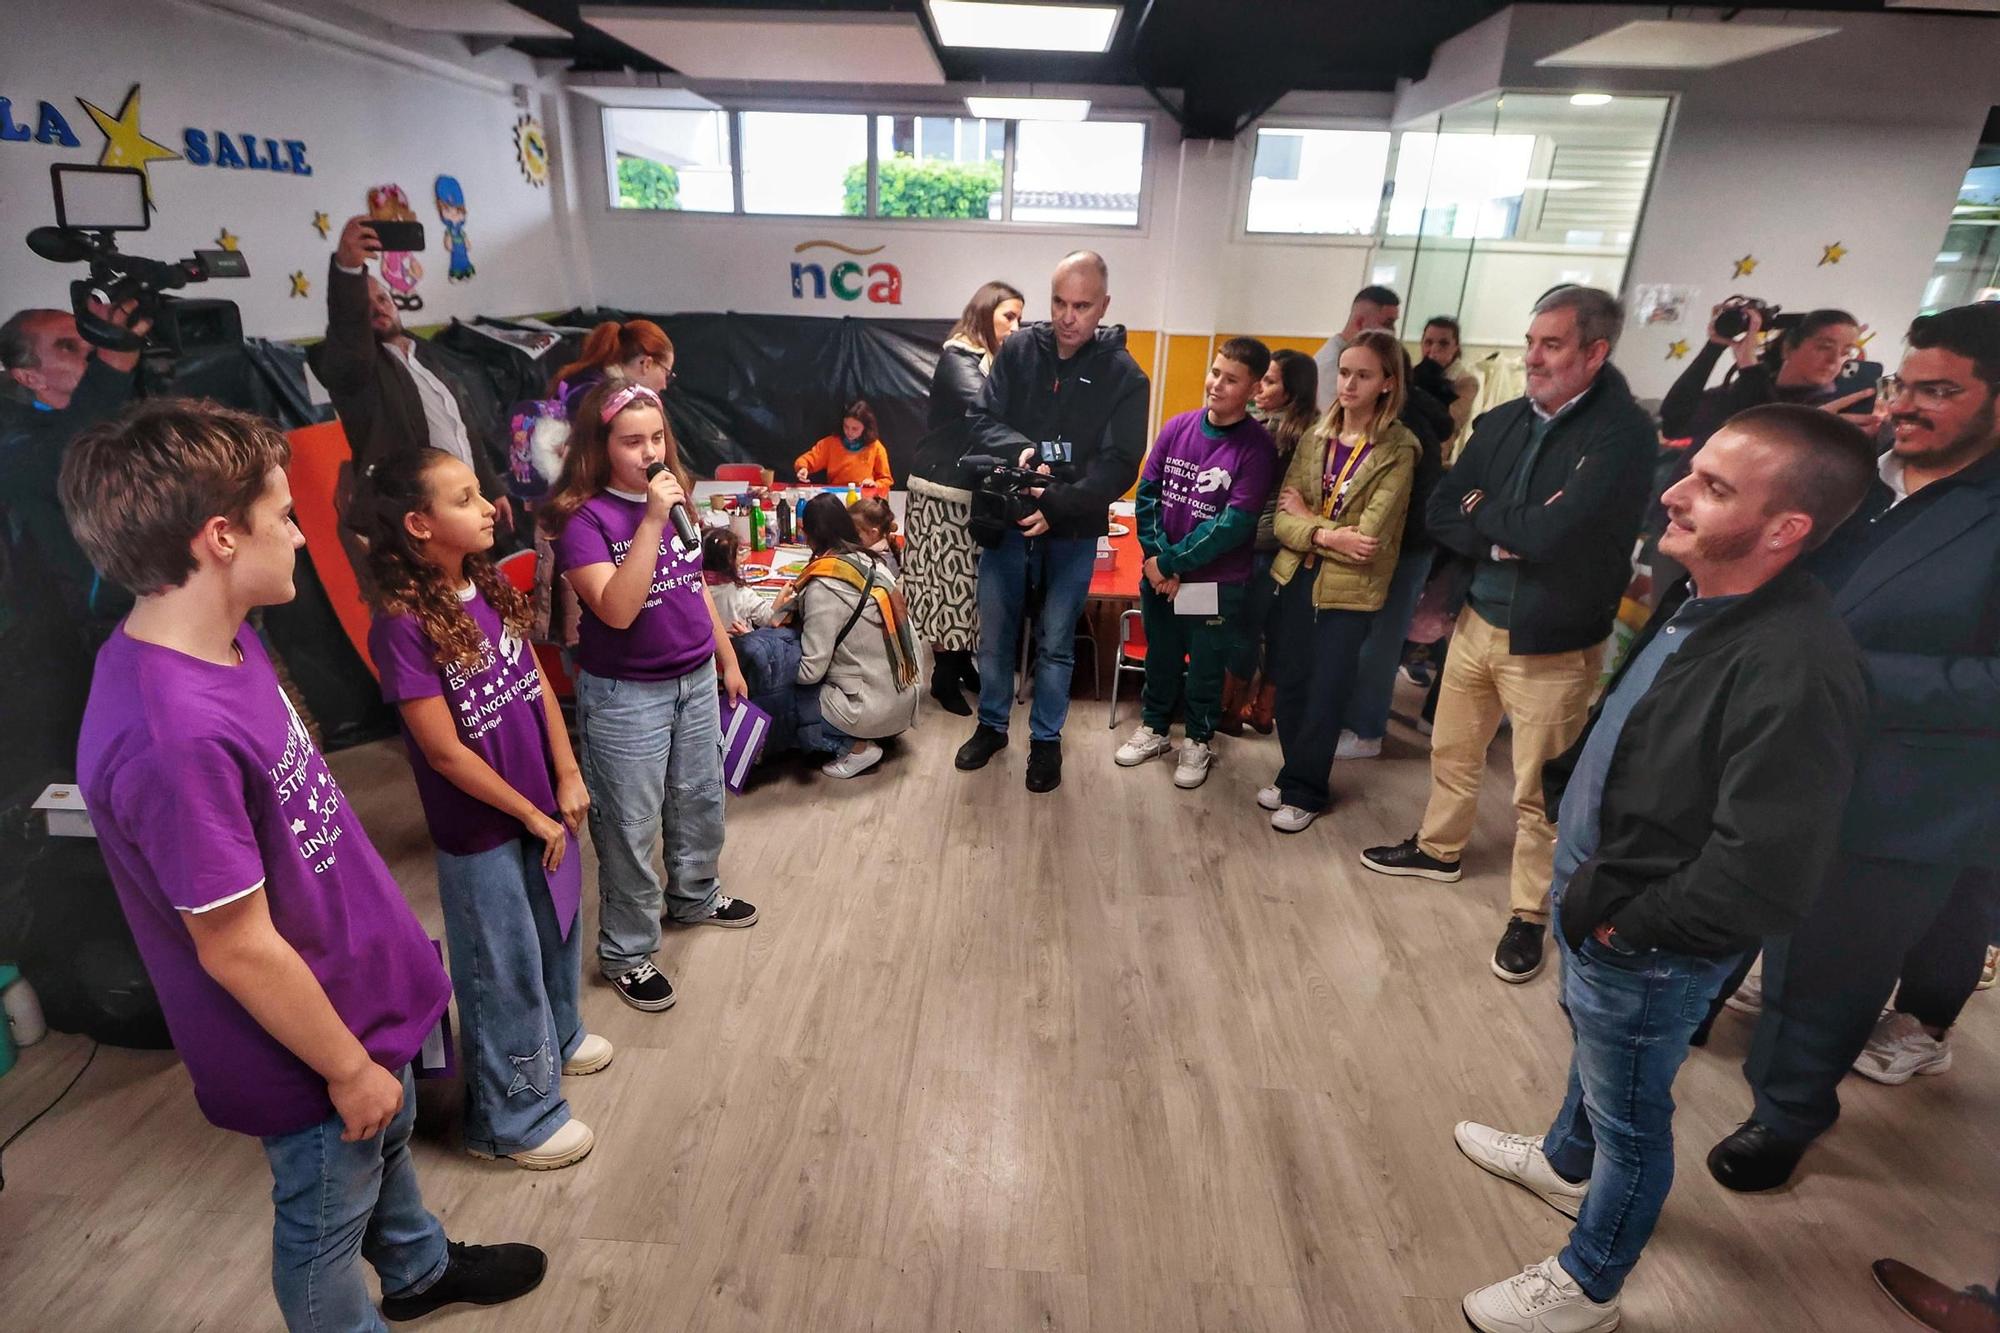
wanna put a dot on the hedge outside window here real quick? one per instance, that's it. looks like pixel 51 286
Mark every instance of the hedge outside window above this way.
pixel 674 160
pixel 932 167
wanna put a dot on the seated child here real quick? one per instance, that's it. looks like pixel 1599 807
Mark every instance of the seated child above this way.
pixel 854 456
pixel 875 522
pixel 741 609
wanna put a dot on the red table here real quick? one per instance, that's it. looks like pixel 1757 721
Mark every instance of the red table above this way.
pixel 1119 581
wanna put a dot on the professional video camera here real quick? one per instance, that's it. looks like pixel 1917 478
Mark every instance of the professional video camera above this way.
pixel 1733 320
pixel 1000 496
pixel 92 203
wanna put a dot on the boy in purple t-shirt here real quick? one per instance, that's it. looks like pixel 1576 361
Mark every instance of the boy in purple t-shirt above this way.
pixel 297 984
pixel 1204 484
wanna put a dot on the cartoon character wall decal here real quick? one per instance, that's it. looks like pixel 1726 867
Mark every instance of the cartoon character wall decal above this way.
pixel 451 211
pixel 400 269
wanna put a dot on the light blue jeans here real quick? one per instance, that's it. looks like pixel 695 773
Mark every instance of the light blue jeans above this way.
pixel 1382 651
pixel 516 980
pixel 338 1202
pixel 1061 568
pixel 652 759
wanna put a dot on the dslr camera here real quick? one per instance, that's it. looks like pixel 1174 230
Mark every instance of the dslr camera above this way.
pixel 1000 497
pixel 92 205
pixel 1733 320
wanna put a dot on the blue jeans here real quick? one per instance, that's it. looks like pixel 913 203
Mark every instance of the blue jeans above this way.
pixel 1061 568
pixel 1382 651
pixel 338 1201
pixel 652 759
pixel 1630 1017
pixel 516 980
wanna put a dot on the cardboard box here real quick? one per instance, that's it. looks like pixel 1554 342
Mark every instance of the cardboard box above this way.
pixel 61 805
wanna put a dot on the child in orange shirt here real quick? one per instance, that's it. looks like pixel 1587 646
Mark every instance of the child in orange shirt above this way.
pixel 854 456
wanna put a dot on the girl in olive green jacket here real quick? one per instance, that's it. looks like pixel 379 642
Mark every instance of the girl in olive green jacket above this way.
pixel 1340 521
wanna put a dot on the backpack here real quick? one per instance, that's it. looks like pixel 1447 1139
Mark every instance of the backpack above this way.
pixel 537 440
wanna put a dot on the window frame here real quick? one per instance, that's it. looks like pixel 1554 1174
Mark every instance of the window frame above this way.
pixel 1350 240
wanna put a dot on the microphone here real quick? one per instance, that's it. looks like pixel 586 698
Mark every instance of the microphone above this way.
pixel 683 525
pixel 60 246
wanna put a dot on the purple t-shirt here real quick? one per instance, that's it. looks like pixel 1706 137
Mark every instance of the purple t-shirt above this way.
pixel 500 716
pixel 204 787
pixel 1200 475
pixel 673 634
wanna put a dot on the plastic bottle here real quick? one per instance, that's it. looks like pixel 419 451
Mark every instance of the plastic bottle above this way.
pixel 853 495
pixel 784 522
pixel 757 542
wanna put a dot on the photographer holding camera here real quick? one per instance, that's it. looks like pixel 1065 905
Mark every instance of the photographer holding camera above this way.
pixel 1067 399
pixel 1802 366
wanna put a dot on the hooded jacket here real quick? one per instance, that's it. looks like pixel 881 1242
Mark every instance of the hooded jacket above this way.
pixel 1091 408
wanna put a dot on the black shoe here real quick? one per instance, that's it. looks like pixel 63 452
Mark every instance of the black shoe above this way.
pixel 1519 956
pixel 945 689
pixel 1406 858
pixel 1754 1158
pixel 645 987
pixel 1044 765
pixel 730 912
pixel 985 743
pixel 968 675
pixel 476 1275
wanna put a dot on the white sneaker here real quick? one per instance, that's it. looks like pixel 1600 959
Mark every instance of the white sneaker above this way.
pixel 1542 1298
pixel 1353 747
pixel 592 1054
pixel 1142 745
pixel 1191 768
pixel 1518 1158
pixel 1291 819
pixel 864 756
pixel 566 1147
pixel 1269 797
pixel 1899 1049
pixel 1749 997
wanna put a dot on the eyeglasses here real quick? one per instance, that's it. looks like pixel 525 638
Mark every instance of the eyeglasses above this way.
pixel 1928 393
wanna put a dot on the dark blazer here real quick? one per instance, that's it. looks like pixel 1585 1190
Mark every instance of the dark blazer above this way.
pixel 1925 607
pixel 1727 785
pixel 374 395
pixel 1575 551
pixel 955 384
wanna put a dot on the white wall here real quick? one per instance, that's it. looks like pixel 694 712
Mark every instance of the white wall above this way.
pixel 366 120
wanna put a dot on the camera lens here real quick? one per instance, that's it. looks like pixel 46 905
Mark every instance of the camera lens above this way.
pixel 1732 323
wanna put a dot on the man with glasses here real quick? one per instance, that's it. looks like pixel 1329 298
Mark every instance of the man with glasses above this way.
pixel 1916 577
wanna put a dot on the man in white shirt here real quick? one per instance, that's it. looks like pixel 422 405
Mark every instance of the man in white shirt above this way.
pixel 1375 307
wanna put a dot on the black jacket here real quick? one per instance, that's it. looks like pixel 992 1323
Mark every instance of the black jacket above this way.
pixel 955 384
pixel 1924 604
pixel 1095 403
pixel 1725 791
pixel 375 397
pixel 1575 551
pixel 43 560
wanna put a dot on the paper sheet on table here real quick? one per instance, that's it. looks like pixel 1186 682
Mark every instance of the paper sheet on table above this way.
pixel 1198 599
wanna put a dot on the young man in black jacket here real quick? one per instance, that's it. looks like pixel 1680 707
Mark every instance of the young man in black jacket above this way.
pixel 1065 396
pixel 1704 793
pixel 1542 506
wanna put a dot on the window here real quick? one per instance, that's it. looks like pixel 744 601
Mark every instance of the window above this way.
pixel 1324 182
pixel 669 160
pixel 933 167
pixel 800 162
pixel 1467 186
pixel 1078 171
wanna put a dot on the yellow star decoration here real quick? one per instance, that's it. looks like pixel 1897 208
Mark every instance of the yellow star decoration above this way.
pixel 1745 267
pixel 124 143
pixel 1831 254
pixel 1861 343
pixel 321 224
pixel 301 285
pixel 227 239
pixel 1677 349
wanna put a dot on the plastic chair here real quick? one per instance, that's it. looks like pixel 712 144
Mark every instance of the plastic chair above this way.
pixel 1131 656
pixel 748 473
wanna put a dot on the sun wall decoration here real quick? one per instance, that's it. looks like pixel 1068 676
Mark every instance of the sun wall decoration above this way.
pixel 531 149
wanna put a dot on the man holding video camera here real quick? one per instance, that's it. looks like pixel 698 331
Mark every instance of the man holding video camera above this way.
pixel 1066 398
pixel 387 387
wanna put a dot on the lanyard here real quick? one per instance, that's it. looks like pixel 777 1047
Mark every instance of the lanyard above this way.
pixel 1330 502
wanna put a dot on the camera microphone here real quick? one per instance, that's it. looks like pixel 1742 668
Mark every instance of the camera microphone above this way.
pixel 683 525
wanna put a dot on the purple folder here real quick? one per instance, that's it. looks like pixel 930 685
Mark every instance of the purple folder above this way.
pixel 744 728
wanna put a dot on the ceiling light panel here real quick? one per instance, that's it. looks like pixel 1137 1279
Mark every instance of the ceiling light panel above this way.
pixel 776 45
pixel 1020 27
pixel 1664 44
pixel 1028 108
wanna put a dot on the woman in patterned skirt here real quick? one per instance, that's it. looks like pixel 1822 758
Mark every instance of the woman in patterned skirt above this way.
pixel 940 569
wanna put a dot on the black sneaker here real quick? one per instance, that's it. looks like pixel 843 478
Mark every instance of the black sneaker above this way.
pixel 476 1275
pixel 1044 765
pixel 645 987
pixel 985 743
pixel 1519 956
pixel 1406 858
pixel 730 912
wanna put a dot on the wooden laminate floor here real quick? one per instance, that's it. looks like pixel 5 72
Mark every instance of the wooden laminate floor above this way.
pixel 1119 1059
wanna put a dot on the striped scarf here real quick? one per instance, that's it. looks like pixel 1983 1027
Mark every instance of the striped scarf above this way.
pixel 897 637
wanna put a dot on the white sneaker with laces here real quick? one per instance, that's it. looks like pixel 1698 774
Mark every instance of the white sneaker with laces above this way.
pixel 864 756
pixel 1749 997
pixel 1899 1049
pixel 1542 1298
pixel 1270 798
pixel 1191 768
pixel 592 1054
pixel 1518 1158
pixel 1352 746
pixel 1292 819
pixel 1141 745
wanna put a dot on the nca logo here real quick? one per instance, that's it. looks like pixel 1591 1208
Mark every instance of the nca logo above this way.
pixel 883 283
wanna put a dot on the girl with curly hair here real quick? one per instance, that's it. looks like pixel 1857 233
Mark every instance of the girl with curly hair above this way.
pixel 501 792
